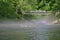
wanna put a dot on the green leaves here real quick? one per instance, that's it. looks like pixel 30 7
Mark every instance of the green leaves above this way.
pixel 47 4
pixel 7 9
pixel 10 7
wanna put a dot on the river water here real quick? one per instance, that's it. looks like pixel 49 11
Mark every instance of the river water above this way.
pixel 34 29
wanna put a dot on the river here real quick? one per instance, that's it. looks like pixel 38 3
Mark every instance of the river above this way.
pixel 28 30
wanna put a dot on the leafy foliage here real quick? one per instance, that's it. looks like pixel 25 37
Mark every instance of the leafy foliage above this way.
pixel 50 5
pixel 47 4
pixel 17 8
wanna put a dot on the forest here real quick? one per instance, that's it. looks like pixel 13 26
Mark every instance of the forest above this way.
pixel 15 9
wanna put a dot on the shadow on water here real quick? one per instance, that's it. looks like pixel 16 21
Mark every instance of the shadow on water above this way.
pixel 11 31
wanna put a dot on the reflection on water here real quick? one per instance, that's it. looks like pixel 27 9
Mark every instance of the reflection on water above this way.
pixel 46 32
